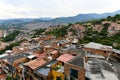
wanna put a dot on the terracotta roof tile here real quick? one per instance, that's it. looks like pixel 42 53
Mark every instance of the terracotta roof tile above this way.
pixel 2 76
pixel 35 63
pixel 54 52
pixel 65 58
pixel 41 55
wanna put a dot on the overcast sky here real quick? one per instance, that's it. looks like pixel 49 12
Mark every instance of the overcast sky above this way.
pixel 54 8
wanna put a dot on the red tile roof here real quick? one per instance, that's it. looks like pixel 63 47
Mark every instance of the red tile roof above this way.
pixel 35 63
pixel 2 76
pixel 54 52
pixel 65 58
pixel 41 55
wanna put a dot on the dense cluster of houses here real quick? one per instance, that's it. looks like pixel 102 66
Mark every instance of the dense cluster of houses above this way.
pixel 50 58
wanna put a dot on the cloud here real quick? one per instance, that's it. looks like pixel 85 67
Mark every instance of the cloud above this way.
pixel 54 8
pixel 10 11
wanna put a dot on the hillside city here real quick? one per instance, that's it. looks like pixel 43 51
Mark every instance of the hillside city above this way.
pixel 88 50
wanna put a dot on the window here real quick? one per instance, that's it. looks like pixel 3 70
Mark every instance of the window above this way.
pixel 104 51
pixel 41 78
pixel 74 73
pixel 37 76
pixel 59 78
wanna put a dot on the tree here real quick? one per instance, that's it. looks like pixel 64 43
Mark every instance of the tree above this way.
pixel 12 45
pixel 39 31
pixel 9 47
pixel 2 51
pixel 10 78
pixel 58 32
pixel 11 36
pixel 96 22
pixel 109 18
pixel 117 16
pixel 104 31
pixel 106 42
pixel 106 25
pixel 73 31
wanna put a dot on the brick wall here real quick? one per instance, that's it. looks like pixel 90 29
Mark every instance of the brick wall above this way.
pixel 81 71
pixel 100 52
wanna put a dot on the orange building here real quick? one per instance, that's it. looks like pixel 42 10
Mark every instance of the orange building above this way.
pixel 31 66
pixel 74 69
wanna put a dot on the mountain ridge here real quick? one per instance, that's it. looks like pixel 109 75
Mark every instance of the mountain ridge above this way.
pixel 44 22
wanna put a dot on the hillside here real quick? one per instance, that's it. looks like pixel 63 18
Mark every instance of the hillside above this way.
pixel 46 22
pixel 105 31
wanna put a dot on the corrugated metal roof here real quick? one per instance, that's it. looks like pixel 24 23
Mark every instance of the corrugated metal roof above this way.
pixel 11 58
pixel 44 71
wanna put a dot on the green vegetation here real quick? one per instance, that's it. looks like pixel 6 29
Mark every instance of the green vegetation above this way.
pixel 10 78
pixel 91 35
pixel 58 32
pixel 102 37
pixel 11 36
pixel 39 31
pixel 2 51
pixel 96 22
pixel 73 31
pixel 117 17
pixel 104 30
pixel 114 19
pixel 11 46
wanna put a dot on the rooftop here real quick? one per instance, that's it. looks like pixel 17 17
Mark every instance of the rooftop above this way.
pixel 3 55
pixel 35 63
pixel 46 69
pixel 36 48
pixel 40 55
pixel 99 70
pixel 54 52
pixel 77 51
pixel 116 51
pixel 31 56
pixel 65 58
pixel 98 46
pixel 78 60
pixel 11 58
